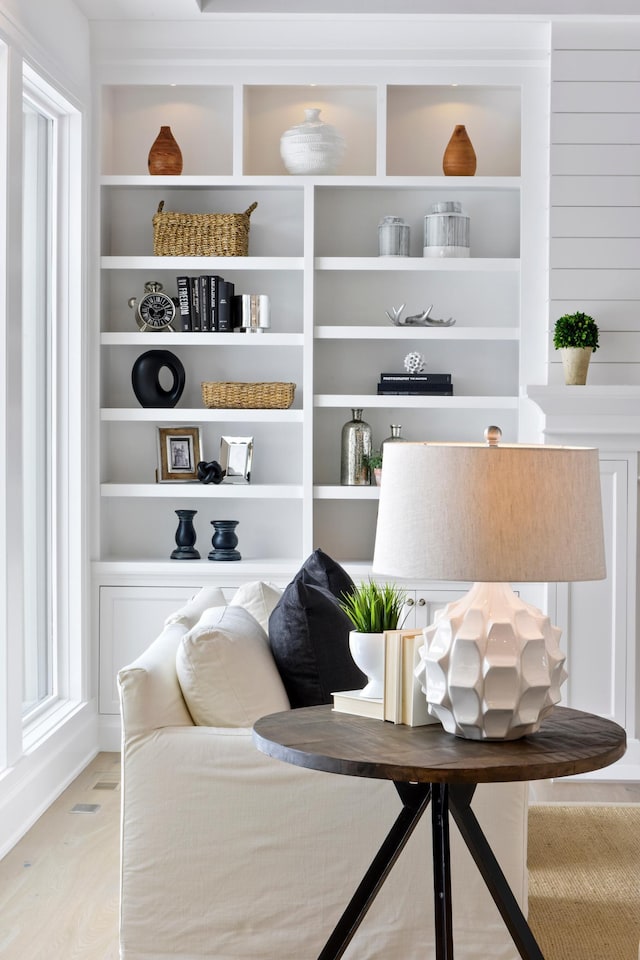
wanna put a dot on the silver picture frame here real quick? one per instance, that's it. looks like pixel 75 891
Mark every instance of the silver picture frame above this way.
pixel 236 457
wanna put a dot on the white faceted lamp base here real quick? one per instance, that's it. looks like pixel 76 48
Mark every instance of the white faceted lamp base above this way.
pixel 491 666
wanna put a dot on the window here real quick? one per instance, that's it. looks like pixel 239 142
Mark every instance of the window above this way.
pixel 38 337
pixel 50 398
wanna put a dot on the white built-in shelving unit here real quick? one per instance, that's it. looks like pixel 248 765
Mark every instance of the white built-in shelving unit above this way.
pixel 313 248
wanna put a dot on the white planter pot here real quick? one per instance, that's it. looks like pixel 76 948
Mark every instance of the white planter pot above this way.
pixel 575 362
pixel 367 650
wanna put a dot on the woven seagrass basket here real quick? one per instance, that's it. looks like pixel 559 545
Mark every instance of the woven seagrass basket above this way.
pixel 250 396
pixel 201 234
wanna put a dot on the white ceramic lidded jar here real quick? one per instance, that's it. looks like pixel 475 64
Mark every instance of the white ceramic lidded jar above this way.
pixel 313 146
pixel 393 237
pixel 446 231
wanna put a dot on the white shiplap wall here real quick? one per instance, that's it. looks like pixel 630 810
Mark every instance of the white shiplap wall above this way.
pixel 595 191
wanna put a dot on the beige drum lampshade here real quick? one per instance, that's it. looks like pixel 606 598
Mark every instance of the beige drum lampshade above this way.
pixel 505 513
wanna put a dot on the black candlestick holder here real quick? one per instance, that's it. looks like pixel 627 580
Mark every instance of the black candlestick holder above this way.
pixel 185 537
pixel 224 540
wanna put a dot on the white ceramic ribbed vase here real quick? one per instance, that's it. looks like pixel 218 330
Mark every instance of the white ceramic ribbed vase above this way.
pixel 312 147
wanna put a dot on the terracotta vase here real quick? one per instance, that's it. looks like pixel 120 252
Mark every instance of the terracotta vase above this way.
pixel 459 158
pixel 165 156
pixel 575 362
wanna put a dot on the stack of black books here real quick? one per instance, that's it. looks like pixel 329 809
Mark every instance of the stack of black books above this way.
pixel 205 303
pixel 416 384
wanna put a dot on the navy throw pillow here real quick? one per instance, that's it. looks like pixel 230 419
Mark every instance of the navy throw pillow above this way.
pixel 320 570
pixel 309 639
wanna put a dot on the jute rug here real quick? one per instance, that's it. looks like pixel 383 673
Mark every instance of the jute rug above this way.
pixel 584 881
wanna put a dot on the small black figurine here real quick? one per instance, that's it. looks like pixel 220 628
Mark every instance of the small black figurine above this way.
pixel 209 471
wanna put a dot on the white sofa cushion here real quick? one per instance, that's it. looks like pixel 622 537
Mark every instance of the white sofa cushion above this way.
pixel 259 598
pixel 226 670
pixel 192 610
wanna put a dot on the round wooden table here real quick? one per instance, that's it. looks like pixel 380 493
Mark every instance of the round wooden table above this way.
pixel 428 765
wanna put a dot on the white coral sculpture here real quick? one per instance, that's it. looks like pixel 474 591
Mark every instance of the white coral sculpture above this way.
pixel 414 362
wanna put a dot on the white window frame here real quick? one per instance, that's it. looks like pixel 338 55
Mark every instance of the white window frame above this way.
pixel 67 580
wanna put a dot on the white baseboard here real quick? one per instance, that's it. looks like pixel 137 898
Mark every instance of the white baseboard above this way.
pixel 109 733
pixel 40 776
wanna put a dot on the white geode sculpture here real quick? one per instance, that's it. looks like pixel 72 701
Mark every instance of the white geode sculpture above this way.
pixel 414 362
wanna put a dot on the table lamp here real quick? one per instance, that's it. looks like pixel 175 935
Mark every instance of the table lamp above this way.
pixel 495 514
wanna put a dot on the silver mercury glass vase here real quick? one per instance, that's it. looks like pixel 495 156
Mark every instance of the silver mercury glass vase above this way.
pixel 356 448
pixel 394 438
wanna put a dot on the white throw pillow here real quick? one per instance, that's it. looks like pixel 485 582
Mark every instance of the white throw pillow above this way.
pixel 190 613
pixel 226 670
pixel 259 598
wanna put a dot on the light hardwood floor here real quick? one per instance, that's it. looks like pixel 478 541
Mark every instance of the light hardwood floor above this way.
pixel 59 885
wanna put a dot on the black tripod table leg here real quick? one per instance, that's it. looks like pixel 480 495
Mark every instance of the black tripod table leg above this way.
pixel 441 871
pixel 494 878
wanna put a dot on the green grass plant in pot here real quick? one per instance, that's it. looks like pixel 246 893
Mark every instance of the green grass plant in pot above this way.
pixel 372 609
pixel 576 337
pixel 374 462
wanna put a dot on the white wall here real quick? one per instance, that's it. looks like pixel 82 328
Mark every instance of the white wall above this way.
pixel 595 267
pixel 595 191
pixel 53 34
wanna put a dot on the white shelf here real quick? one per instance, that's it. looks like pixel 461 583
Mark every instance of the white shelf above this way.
pixel 202 415
pixel 172 571
pixel 186 339
pixel 201 264
pixel 603 415
pixel 391 332
pixel 415 403
pixel 338 492
pixel 196 490
pixel 467 184
pixel 195 180
pixel 420 264
pixel 586 401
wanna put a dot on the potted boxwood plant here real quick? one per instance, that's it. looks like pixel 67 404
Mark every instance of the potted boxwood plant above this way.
pixel 372 609
pixel 576 337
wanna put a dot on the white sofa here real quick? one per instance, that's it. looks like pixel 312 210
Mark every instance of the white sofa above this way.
pixel 230 855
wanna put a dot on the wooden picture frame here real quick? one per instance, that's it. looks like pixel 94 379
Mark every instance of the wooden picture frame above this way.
pixel 179 452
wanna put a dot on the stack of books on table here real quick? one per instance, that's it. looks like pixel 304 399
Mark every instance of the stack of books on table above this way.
pixel 403 700
pixel 416 384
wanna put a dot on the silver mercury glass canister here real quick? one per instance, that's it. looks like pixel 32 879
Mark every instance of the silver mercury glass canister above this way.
pixel 393 237
pixel 254 312
pixel 446 231
pixel 355 449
